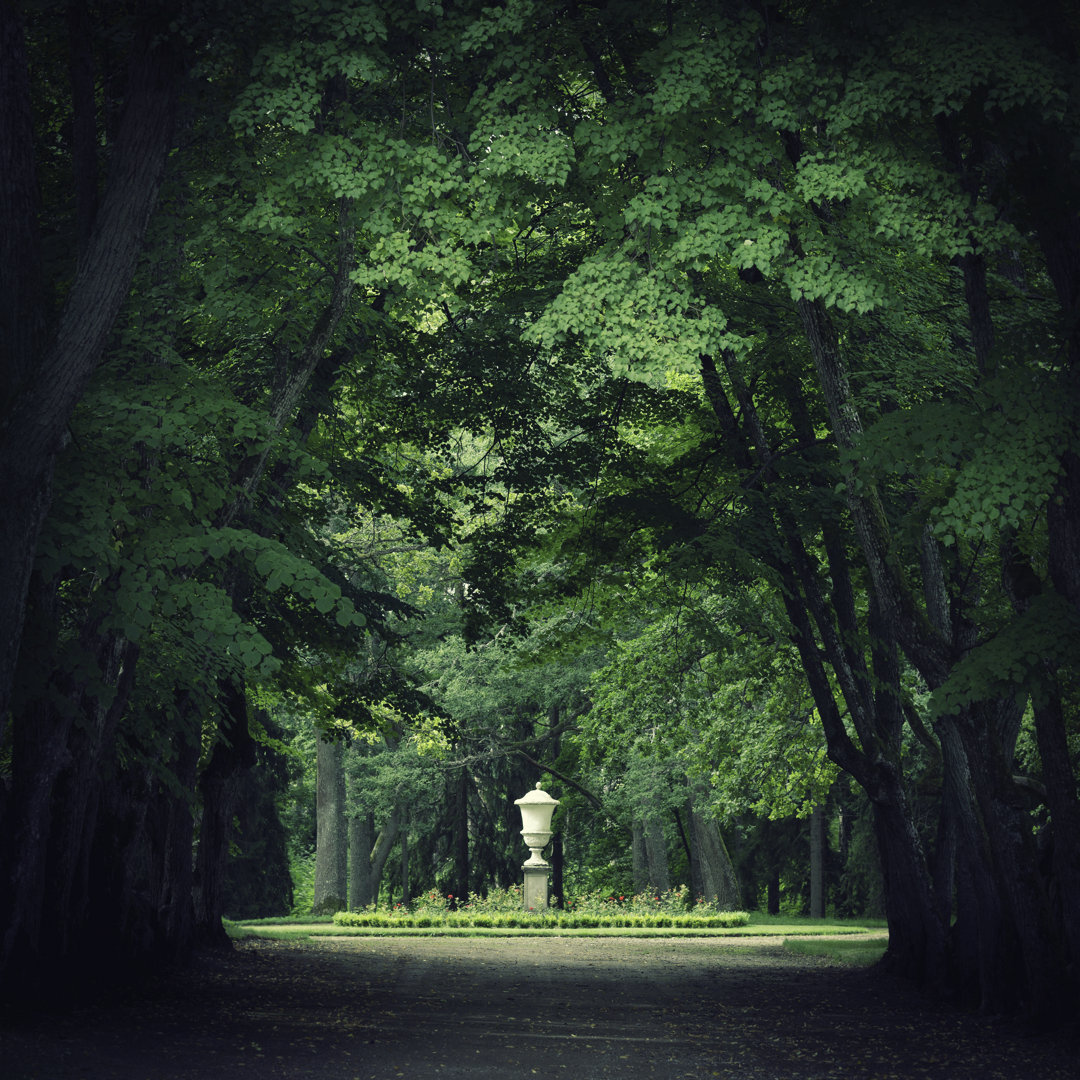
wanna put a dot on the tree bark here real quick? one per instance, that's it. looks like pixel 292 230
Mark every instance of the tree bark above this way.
pixel 21 301
pixel 558 861
pixel 713 876
pixel 234 752
pixel 1060 781
pixel 331 841
pixel 39 754
pixel 83 120
pixel 361 879
pixel 656 855
pixel 461 835
pixel 638 859
pixel 406 895
pixel 817 862
pixel 174 833
pixel 384 844
pixel 772 893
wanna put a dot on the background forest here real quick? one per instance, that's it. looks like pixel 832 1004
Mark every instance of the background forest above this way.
pixel 404 402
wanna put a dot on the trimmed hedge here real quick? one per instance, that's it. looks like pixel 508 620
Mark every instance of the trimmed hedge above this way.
pixel 550 921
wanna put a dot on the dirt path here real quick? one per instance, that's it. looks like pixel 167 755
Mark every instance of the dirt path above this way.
pixel 580 1008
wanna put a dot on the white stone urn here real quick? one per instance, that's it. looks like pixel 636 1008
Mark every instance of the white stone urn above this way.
pixel 536 810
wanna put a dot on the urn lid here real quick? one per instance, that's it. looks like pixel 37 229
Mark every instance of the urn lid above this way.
pixel 536 797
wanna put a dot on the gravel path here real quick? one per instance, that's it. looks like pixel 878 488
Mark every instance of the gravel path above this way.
pixel 580 1008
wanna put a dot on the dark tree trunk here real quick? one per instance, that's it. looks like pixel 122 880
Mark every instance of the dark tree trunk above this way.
pixel 981 948
pixel 21 299
pixel 174 834
pixel 1060 781
pixel 406 895
pixel 557 868
pixel 39 754
pixel 1028 918
pixel 362 891
pixel 233 753
pixel 461 836
pixel 79 794
pixel 916 936
pixel 33 427
pixel 817 863
pixel 84 128
pixel 637 857
pixel 772 893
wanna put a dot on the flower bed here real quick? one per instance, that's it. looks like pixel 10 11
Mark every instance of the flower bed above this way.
pixel 502 909
pixel 542 921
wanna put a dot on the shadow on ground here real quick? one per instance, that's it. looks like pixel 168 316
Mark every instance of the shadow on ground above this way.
pixel 581 1008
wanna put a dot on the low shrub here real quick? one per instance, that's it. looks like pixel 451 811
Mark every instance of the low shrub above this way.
pixel 465 918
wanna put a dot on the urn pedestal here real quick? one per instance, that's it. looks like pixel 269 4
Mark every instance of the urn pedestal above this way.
pixel 536 810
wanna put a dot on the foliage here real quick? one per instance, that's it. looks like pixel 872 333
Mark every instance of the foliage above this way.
pixel 542 920
pixel 302 870
pixel 679 401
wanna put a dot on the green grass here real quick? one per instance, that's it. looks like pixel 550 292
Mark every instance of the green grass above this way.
pixel 801 924
pixel 285 933
pixel 292 929
pixel 861 952
pixel 277 920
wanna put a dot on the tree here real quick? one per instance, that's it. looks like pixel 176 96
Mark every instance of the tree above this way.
pixel 49 357
pixel 153 606
pixel 754 225
pixel 331 852
pixel 761 301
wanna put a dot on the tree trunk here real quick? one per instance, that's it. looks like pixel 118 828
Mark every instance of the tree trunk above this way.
pixel 557 865
pixel 772 893
pixel 817 863
pixel 33 428
pixel 712 874
pixel 368 855
pixel 39 754
pixel 1060 780
pixel 233 753
pixel 21 293
pixel 916 937
pixel 656 855
pixel 384 844
pixel 982 954
pixel 461 836
pixel 1063 529
pixel 406 895
pixel 361 841
pixel 174 833
pixel 79 791
pixel 637 855
pixel 330 833
pixel 1013 861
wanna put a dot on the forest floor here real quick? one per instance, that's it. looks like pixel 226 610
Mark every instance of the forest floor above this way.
pixel 573 1007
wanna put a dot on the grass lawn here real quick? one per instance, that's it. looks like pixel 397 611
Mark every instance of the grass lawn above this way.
pixel 868 936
